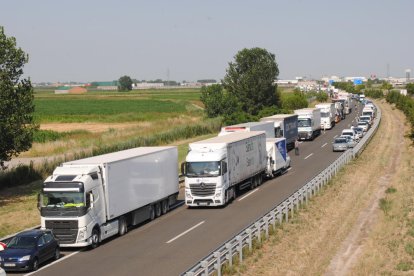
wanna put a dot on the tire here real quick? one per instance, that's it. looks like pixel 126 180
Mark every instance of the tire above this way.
pixel 35 265
pixel 152 212
pixel 164 206
pixel 95 238
pixel 56 256
pixel 157 209
pixel 123 227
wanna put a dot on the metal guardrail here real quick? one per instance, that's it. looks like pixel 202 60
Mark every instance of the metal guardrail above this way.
pixel 244 239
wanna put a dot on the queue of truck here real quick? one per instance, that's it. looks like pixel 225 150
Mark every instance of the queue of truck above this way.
pixel 89 200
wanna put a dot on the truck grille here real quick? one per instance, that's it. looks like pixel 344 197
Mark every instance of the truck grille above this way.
pixel 65 231
pixel 203 189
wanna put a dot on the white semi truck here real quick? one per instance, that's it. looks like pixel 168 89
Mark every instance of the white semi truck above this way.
pixel 217 168
pixel 309 123
pixel 285 125
pixel 88 200
pixel 278 160
pixel 267 127
pixel 328 113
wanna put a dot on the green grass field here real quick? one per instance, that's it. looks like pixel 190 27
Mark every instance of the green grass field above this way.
pixel 112 106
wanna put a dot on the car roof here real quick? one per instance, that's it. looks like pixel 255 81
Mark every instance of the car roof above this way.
pixel 32 233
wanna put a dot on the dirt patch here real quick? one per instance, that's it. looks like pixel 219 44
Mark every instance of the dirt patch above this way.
pixel 92 127
pixel 328 235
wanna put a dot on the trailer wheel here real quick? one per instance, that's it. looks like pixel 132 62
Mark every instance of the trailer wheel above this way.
pixel 123 227
pixel 152 212
pixel 157 209
pixel 164 206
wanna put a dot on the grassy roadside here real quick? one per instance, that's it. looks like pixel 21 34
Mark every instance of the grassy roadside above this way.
pixel 329 235
pixel 18 209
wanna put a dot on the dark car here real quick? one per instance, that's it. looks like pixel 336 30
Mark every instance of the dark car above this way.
pixel 28 249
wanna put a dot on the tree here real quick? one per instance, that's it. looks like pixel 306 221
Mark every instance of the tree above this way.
pixel 218 102
pixel 410 88
pixel 125 83
pixel 251 79
pixel 16 98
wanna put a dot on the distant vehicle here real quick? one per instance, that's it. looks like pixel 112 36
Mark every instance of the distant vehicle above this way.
pixel 328 112
pixel 278 161
pixel 366 118
pixel 285 125
pixel 309 123
pixel 28 249
pixel 350 132
pixel 362 98
pixel 359 131
pixel 340 144
pixel 364 125
pixel 267 127
pixel 351 142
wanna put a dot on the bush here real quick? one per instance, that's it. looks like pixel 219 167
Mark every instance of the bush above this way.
pixel 294 101
pixel 374 93
pixel 19 175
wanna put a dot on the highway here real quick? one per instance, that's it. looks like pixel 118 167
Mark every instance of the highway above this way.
pixel 174 242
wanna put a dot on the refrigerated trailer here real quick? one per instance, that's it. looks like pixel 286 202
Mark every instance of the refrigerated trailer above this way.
pixel 88 200
pixel 309 123
pixel 328 113
pixel 278 160
pixel 267 127
pixel 218 168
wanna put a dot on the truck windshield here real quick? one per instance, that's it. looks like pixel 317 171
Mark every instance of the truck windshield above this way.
pixel 304 122
pixel 204 169
pixel 63 199
pixel 325 114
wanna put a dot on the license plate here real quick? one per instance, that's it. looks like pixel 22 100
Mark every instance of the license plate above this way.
pixel 9 264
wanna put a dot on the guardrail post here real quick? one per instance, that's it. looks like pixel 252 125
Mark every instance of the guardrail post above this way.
pixel 297 201
pixel 218 265
pixel 249 239
pixel 266 220
pixel 229 254
pixel 204 265
pixel 280 214
pixel 259 231
pixel 286 211
pixel 292 204
pixel 273 214
pixel 240 248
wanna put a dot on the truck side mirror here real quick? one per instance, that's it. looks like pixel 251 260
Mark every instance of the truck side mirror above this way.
pixel 183 172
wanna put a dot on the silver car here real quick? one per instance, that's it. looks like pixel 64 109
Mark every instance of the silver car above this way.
pixel 340 144
pixel 350 141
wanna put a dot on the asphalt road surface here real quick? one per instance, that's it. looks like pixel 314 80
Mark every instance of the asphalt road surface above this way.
pixel 174 242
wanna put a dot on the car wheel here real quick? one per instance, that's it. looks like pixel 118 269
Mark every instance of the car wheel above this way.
pixel 95 238
pixel 57 254
pixel 35 265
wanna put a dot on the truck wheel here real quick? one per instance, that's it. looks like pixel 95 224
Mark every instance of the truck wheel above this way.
pixel 157 209
pixel 259 180
pixel 164 206
pixel 152 212
pixel 95 238
pixel 123 227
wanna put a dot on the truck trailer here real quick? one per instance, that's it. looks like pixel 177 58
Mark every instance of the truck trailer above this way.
pixel 267 127
pixel 328 113
pixel 88 200
pixel 218 168
pixel 278 160
pixel 309 123
pixel 285 125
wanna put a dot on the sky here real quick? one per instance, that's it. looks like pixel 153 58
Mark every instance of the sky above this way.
pixel 189 40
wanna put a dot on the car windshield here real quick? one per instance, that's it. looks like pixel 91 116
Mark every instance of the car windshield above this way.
pixel 363 123
pixel 22 243
pixel 348 133
pixel 304 123
pixel 63 199
pixel 340 141
pixel 205 169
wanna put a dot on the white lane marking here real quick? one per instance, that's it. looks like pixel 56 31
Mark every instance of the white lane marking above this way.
pixel 289 169
pixel 335 136
pixel 186 231
pixel 248 194
pixel 324 145
pixel 308 156
pixel 55 262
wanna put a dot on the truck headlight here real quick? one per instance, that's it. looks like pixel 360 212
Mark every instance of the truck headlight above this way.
pixel 188 194
pixel 24 258
pixel 218 194
pixel 82 234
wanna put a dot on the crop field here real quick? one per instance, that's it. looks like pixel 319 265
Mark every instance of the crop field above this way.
pixel 115 107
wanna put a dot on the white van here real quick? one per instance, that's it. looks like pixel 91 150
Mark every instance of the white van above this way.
pixel 350 132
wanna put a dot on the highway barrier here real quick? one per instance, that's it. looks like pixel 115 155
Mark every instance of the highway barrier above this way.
pixel 232 248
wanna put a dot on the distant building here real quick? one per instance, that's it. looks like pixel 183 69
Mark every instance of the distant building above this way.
pixel 105 85
pixel 147 85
